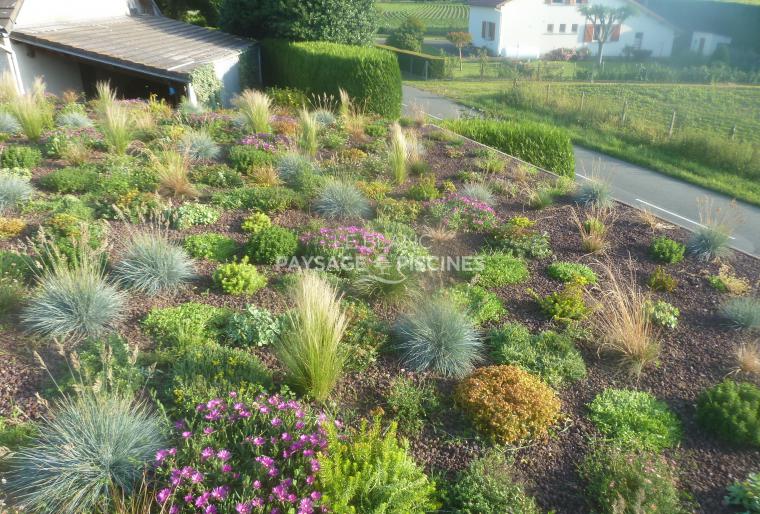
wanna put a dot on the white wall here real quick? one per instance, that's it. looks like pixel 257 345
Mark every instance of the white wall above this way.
pixel 228 71
pixel 524 30
pixel 477 16
pixel 712 41
pixel 59 73
pixel 42 12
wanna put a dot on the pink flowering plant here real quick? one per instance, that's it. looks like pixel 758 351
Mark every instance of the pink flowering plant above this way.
pixel 460 212
pixel 257 457
pixel 341 244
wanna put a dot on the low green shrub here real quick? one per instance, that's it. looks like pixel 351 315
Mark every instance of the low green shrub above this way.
pixel 664 249
pixel 661 280
pixel 191 214
pixel 499 269
pixel 18 156
pixel 481 304
pixel 567 304
pixel 541 145
pixel 109 363
pixel 364 336
pixel 189 322
pixel 266 199
pixel 244 158
pixel 629 482
pixel 216 175
pixel 402 211
pixel 252 327
pixel 370 76
pixel 731 411
pixel 239 278
pixel 373 472
pixel 270 244
pixel 71 180
pixel 550 355
pixel 424 190
pixel 212 246
pixel 570 271
pixel 664 314
pixel 15 266
pixel 489 487
pixel 410 403
pixel 256 222
pixel 744 494
pixel 635 419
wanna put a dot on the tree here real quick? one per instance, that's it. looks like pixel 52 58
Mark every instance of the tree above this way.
pixel 603 19
pixel 459 40
pixel 352 22
pixel 409 35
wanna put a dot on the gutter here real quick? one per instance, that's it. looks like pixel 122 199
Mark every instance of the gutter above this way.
pixel 6 47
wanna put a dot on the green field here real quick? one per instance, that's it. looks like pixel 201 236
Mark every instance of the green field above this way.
pixel 439 17
pixel 701 148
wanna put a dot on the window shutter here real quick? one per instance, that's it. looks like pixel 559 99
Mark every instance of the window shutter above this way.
pixel 484 31
pixel 588 35
pixel 615 33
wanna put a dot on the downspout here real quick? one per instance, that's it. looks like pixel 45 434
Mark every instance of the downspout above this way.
pixel 12 62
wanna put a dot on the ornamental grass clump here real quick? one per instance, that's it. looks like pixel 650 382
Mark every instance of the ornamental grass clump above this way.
pixel 153 264
pixel 245 455
pixel 33 111
pixel 742 313
pixel 253 111
pixel 508 404
pixel 748 359
pixel 117 128
pixel 14 190
pixel 96 447
pixel 439 337
pixel 342 200
pixel 373 472
pixel 479 192
pixel 711 238
pixel 199 146
pixel 173 171
pixel 622 325
pixel 308 131
pixel 398 154
pixel 310 346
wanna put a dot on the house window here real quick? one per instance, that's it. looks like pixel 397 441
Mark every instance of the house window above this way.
pixel 562 28
pixel 574 28
pixel 558 1
pixel 638 40
pixel 550 28
pixel 488 31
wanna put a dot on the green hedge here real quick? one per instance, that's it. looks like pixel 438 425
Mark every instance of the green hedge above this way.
pixel 539 144
pixel 370 76
pixel 414 62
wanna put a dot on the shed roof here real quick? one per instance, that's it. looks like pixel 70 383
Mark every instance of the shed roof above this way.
pixel 149 44
pixel 8 11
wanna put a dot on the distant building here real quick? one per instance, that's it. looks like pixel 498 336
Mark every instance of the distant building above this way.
pixel 73 44
pixel 705 43
pixel 531 28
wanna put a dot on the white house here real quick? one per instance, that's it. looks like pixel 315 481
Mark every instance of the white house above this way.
pixel 73 44
pixel 531 28
pixel 705 43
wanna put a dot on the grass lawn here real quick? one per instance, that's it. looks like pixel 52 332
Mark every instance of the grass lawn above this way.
pixel 700 151
pixel 438 17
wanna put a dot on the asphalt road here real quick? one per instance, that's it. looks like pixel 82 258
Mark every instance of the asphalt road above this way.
pixel 667 197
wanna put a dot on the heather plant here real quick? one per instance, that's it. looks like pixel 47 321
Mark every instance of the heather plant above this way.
pixel 498 270
pixel 71 180
pixel 663 314
pixel 342 200
pixel 567 304
pixel 742 313
pixel 191 214
pixel 507 403
pixel 239 278
pixel 198 145
pixel 398 154
pixel 236 455
pixel 745 494
pixel 550 355
pixel 14 191
pixel 216 175
pixel 310 346
pixel 253 111
pixel 11 227
pixel 571 271
pixel 666 250
pixel 439 337
pixel 489 486
pixel 731 411
pixel 308 131
pixel 410 403
pixel 73 299
pixel 482 305
pixel 19 156
pixel 270 200
pixel 212 246
pixel 630 482
pixel 108 440
pixel 661 280
pixel 253 327
pixel 373 472
pixel 248 158
pixel 256 222
pixel 459 212
pixel 622 326
pixel 402 211
pixel 711 238
pixel 635 419
pixel 269 245
pixel 153 264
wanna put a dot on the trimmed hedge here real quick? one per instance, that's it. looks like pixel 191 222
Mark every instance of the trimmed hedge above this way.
pixel 369 75
pixel 414 62
pixel 539 144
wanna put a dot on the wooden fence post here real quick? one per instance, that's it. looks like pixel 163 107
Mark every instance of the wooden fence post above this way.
pixel 672 124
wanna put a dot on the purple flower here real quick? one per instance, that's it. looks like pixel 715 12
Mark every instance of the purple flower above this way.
pixel 224 455
pixel 163 495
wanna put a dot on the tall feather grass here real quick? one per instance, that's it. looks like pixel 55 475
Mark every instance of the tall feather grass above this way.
pixel 95 448
pixel 173 171
pixel 352 117
pixel 253 108
pixel 310 345
pixel 307 133
pixel 398 154
pixel 33 111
